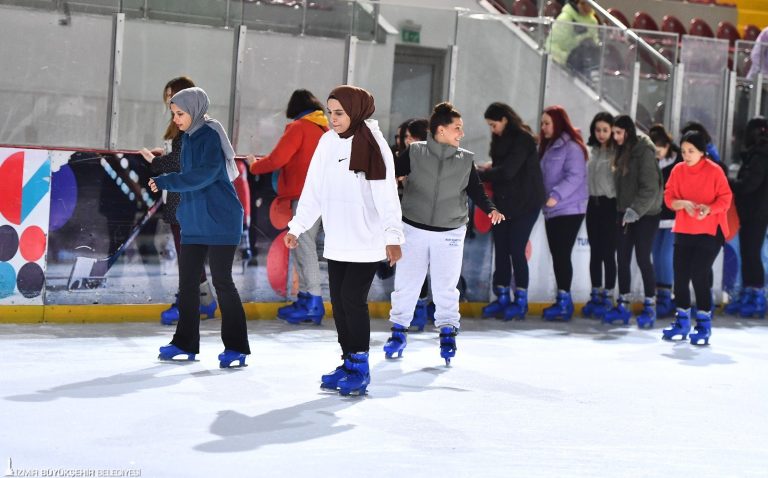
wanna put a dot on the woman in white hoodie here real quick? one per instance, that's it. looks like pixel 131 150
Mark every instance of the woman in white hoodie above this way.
pixel 351 185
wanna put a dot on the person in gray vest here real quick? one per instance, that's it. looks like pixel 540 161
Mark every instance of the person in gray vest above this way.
pixel 440 177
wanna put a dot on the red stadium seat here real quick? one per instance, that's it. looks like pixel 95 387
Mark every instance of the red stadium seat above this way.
pixel 644 21
pixel 700 28
pixel 751 33
pixel 552 9
pixel 671 24
pixel 524 8
pixel 726 31
pixel 619 16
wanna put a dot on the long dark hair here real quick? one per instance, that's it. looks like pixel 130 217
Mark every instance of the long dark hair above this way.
pixel 177 84
pixel 418 128
pixel 400 136
pixel 497 110
pixel 604 117
pixel 443 115
pixel 301 101
pixel 756 132
pixel 626 123
pixel 561 124
pixel 661 137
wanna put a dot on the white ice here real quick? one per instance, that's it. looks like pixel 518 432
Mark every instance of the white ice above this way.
pixel 523 399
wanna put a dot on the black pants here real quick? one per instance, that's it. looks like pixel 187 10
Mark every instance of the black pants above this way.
pixel 601 231
pixel 191 263
pixel 349 283
pixel 693 259
pixel 639 236
pixel 751 238
pixel 510 238
pixel 561 236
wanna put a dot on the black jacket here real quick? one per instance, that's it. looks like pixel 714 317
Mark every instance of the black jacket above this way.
pixel 515 174
pixel 169 163
pixel 750 188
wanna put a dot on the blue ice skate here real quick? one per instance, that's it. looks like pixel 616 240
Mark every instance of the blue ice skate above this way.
pixel 311 310
pixel 357 380
pixel 330 381
pixel 285 310
pixel 420 314
pixel 703 329
pixel 665 307
pixel 517 309
pixel 448 343
pixel 754 305
pixel 170 352
pixel 647 317
pixel 227 357
pixel 497 307
pixel 397 342
pixel 681 326
pixel 618 313
pixel 592 306
pixel 208 311
pixel 562 309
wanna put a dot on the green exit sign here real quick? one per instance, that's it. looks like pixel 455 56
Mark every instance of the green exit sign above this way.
pixel 410 36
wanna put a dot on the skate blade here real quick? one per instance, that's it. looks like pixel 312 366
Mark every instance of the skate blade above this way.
pixel 176 360
pixel 232 366
pixel 354 393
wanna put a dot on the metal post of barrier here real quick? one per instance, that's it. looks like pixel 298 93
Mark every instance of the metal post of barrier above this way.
pixel 113 95
pixel 235 97
pixel 635 91
pixel 677 97
pixel 730 111
pixel 351 50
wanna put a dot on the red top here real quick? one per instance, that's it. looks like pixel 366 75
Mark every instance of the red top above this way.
pixel 704 183
pixel 293 153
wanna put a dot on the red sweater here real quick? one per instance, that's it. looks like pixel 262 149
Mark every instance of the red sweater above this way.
pixel 293 153
pixel 704 183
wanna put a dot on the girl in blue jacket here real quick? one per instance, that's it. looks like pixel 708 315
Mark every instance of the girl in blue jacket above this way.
pixel 211 218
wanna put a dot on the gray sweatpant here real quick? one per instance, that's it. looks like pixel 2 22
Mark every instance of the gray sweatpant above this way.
pixel 305 256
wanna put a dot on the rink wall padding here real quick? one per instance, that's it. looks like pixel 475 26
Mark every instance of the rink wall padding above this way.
pixel 83 314
pixel 82 239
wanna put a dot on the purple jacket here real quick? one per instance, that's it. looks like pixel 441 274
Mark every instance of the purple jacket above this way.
pixel 565 177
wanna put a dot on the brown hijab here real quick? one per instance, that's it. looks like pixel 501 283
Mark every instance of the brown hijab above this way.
pixel 366 155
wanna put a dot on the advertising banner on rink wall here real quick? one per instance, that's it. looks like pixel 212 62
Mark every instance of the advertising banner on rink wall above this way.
pixel 82 227
pixel 24 200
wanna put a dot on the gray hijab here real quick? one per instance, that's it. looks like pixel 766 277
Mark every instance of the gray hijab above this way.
pixel 194 101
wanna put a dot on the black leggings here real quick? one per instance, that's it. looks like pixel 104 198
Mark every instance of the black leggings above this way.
pixel 693 259
pixel 638 236
pixel 561 236
pixel 510 238
pixel 176 233
pixel 349 283
pixel 601 231
pixel 751 238
pixel 233 329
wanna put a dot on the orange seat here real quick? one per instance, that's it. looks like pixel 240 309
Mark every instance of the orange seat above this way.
pixel 700 28
pixel 644 21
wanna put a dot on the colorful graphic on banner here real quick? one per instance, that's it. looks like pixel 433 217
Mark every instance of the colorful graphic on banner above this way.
pixel 24 207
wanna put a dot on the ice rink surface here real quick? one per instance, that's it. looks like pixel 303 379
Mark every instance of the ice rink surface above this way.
pixel 521 399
